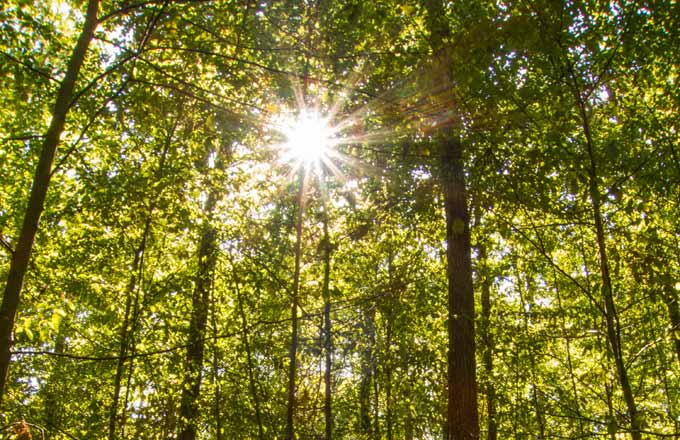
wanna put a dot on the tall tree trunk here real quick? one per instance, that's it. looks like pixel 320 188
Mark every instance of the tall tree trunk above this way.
pixel 388 360
pixel 526 303
pixel 367 372
pixel 567 347
pixel 128 329
pixel 487 341
pixel 462 413
pixel 54 388
pixel 671 301
pixel 217 404
pixel 611 313
pixel 328 341
pixel 207 258
pixel 131 301
pixel 41 181
pixel 252 380
pixel 462 416
pixel 292 355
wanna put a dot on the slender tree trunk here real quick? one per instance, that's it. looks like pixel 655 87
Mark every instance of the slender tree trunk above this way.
pixel 252 381
pixel 328 340
pixel 671 301
pixel 388 361
pixel 526 303
pixel 53 392
pixel 128 329
pixel 367 372
pixel 611 314
pixel 41 181
pixel 487 341
pixel 567 347
pixel 292 355
pixel 131 301
pixel 462 413
pixel 207 259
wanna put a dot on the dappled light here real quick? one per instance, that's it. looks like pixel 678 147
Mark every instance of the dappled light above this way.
pixel 339 220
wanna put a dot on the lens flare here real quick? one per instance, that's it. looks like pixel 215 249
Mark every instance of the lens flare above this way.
pixel 308 139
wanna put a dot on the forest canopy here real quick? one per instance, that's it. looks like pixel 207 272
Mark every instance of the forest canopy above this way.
pixel 318 219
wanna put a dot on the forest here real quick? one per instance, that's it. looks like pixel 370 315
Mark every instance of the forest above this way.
pixel 339 219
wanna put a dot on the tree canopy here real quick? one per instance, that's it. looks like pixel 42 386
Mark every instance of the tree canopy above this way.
pixel 487 245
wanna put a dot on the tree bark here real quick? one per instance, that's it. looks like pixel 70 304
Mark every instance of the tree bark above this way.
pixel 462 412
pixel 487 340
pixel 328 341
pixel 611 313
pixel 671 300
pixel 41 181
pixel 292 355
pixel 462 415
pixel 367 373
pixel 252 380
pixel 207 258
pixel 132 298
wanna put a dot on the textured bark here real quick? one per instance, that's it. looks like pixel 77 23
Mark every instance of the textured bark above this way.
pixel 462 415
pixel 41 181
pixel 462 412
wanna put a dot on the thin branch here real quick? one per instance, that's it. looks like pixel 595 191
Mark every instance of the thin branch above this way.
pixel 31 68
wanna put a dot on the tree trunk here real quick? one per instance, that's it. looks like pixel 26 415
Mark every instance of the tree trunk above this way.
pixel 611 314
pixel 41 181
pixel 126 347
pixel 132 298
pixel 207 258
pixel 462 416
pixel 487 341
pixel 671 300
pixel 252 380
pixel 526 303
pixel 292 355
pixel 54 389
pixel 328 341
pixel 367 373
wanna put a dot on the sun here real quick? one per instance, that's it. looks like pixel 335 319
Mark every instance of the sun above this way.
pixel 308 139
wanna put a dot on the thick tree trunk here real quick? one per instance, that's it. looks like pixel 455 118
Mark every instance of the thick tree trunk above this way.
pixel 41 181
pixel 292 355
pixel 462 413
